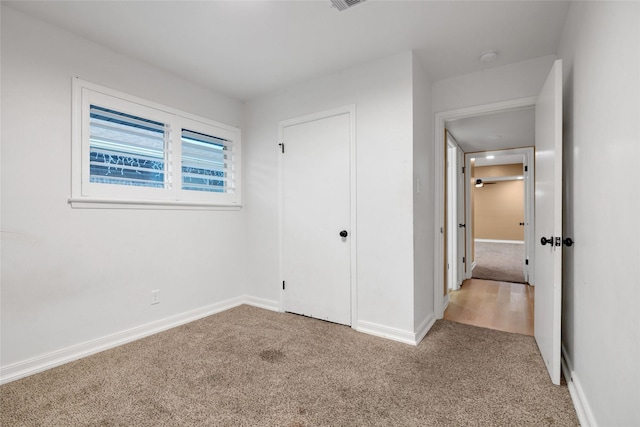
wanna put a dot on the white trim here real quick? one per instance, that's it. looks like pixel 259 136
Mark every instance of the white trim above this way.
pixel 580 403
pixel 382 331
pixel 439 128
pixel 50 360
pixel 264 303
pixel 473 265
pixel 517 242
pixel 424 327
pixel 99 203
pixel 347 109
pixel 490 179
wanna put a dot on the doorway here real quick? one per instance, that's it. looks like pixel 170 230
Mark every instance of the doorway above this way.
pixel 548 209
pixel 495 293
pixel 490 143
pixel 500 205
pixel 317 215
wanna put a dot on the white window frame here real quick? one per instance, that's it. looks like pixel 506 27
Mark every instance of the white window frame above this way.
pixel 87 194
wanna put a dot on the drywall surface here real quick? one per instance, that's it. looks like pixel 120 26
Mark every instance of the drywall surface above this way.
pixel 498 206
pixel 382 94
pixel 514 81
pixel 423 194
pixel 600 49
pixel 70 276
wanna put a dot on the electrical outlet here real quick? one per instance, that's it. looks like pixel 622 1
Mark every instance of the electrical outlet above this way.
pixel 155 297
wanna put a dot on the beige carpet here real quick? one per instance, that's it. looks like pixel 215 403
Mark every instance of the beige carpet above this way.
pixel 252 367
pixel 502 262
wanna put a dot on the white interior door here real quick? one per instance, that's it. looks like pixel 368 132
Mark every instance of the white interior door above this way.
pixel 452 216
pixel 316 263
pixel 461 219
pixel 548 221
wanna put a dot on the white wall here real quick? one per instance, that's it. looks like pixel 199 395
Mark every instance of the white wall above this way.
pixel 600 49
pixel 382 92
pixel 74 275
pixel 423 195
pixel 514 81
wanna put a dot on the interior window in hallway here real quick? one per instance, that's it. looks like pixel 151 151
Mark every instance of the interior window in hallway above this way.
pixel 495 305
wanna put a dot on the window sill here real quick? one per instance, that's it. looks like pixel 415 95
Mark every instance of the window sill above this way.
pixel 93 203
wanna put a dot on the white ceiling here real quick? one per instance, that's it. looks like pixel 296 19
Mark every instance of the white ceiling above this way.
pixel 499 131
pixel 246 49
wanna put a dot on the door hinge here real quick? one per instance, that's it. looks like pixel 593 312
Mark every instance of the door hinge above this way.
pixel 281 146
pixel 526 261
pixel 283 285
pixel 463 169
pixel 526 168
pixel 464 261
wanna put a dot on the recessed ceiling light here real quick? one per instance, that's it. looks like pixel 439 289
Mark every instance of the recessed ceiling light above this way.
pixel 491 157
pixel 488 56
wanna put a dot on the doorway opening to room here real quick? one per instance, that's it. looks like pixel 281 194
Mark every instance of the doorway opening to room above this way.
pixel 489 220
pixel 545 126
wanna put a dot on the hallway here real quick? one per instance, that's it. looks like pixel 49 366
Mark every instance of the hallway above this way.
pixel 495 305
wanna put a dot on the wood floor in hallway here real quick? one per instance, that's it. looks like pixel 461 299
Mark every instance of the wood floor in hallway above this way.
pixel 495 305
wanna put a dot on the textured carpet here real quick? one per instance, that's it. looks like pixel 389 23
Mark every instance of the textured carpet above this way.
pixel 252 367
pixel 502 262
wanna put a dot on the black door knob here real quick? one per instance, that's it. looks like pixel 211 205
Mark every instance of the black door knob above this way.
pixel 568 241
pixel 462 225
pixel 344 233
pixel 544 241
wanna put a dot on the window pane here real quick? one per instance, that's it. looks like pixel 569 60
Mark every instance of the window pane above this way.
pixel 125 149
pixel 205 162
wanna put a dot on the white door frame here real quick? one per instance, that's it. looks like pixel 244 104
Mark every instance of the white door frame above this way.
pixel 353 234
pixel 453 231
pixel 439 128
pixel 528 154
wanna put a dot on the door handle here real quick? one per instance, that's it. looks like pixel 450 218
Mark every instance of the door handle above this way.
pixel 568 241
pixel 344 233
pixel 462 225
pixel 522 223
pixel 544 241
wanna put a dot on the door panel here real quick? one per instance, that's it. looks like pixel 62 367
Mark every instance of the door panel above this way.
pixel 461 220
pixel 315 209
pixel 548 220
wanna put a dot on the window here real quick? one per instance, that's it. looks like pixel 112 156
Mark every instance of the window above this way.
pixel 129 152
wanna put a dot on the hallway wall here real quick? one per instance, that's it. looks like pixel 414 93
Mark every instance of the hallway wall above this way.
pixel 600 49
pixel 498 207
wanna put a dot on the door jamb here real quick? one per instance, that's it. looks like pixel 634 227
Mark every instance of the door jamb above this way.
pixel 439 126
pixel 353 234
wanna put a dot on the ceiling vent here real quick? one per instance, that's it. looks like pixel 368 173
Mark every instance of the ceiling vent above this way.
pixel 345 4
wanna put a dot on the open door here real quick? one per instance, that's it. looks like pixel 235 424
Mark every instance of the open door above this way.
pixel 462 248
pixel 548 221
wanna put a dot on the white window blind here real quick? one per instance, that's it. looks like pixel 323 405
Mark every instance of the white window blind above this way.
pixel 129 152
pixel 206 163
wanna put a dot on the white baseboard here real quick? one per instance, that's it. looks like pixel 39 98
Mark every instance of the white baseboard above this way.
pixel 583 410
pixel 50 360
pixel 517 242
pixel 395 334
pixel 267 304
pixel 473 265
pixel 425 326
